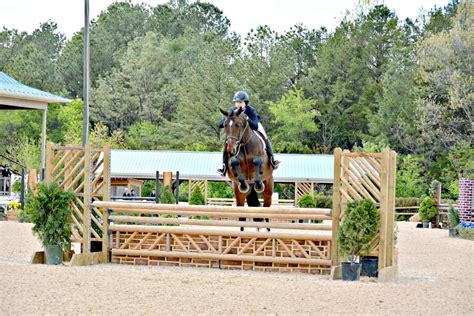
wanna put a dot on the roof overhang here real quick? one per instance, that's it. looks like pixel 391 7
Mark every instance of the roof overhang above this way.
pixel 16 101
pixel 217 178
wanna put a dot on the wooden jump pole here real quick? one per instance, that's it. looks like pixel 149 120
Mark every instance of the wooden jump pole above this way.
pixel 227 223
pixel 210 208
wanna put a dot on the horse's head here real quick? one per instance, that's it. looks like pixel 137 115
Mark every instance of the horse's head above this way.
pixel 234 127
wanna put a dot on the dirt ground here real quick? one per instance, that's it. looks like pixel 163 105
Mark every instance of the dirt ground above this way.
pixel 436 277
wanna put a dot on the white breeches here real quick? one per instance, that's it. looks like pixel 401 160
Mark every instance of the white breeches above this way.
pixel 262 130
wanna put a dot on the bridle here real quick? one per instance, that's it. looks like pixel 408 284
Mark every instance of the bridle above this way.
pixel 238 139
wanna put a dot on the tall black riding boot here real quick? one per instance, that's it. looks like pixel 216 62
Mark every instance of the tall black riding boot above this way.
pixel 273 162
pixel 223 170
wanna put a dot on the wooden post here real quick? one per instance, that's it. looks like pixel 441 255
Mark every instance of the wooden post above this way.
pixel 391 209
pixel 87 201
pixel 384 208
pixel 157 187
pixel 336 206
pixel 167 176
pixel 32 180
pixel 177 187
pixel 106 197
pixel 438 202
pixel 48 176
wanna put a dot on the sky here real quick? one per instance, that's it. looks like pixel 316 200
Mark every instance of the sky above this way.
pixel 244 15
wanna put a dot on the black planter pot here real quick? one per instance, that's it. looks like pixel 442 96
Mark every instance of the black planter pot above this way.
pixel 452 232
pixel 370 267
pixel 96 246
pixel 350 271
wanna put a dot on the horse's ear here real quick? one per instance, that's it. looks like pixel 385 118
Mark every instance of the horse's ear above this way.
pixel 225 113
pixel 239 111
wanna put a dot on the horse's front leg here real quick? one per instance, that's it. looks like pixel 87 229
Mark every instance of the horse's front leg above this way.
pixel 259 186
pixel 243 186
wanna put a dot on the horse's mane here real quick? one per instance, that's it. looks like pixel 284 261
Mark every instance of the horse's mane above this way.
pixel 233 113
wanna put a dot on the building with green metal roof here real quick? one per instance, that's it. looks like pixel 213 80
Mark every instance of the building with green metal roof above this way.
pixel 16 96
pixel 143 164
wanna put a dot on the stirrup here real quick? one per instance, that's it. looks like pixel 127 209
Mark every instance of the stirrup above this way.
pixel 275 164
pixel 222 171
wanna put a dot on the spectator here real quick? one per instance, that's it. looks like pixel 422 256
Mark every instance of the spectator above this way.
pixel 153 193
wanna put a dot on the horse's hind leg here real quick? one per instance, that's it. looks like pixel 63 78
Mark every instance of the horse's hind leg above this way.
pixel 259 186
pixel 252 200
pixel 267 196
pixel 240 199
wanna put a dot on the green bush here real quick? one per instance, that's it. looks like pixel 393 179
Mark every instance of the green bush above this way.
pixel 307 201
pixel 16 187
pixel 24 216
pixel 147 187
pixel 50 213
pixel 410 179
pixel 220 190
pixel 323 201
pixel 427 209
pixel 184 191
pixel 166 196
pixel 407 201
pixel 360 226
pixel 465 233
pixel 197 198
pixel 453 217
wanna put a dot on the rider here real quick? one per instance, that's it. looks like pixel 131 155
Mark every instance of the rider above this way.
pixel 241 101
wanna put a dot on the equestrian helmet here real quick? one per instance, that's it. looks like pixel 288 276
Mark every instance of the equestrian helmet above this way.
pixel 241 96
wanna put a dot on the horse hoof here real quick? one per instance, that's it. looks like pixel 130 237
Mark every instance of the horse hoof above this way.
pixel 259 188
pixel 244 188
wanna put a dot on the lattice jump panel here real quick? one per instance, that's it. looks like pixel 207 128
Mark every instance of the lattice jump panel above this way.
pixel 361 179
pixel 301 189
pixel 260 247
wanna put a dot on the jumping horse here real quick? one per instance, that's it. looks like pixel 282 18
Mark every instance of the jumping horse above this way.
pixel 247 162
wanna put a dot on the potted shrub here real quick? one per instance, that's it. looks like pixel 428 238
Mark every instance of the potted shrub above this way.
pixel 50 213
pixel 197 198
pixel 355 235
pixel 453 221
pixel 307 201
pixel 427 211
pixel 13 211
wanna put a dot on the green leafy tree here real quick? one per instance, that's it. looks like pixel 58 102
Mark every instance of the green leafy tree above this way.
pixel 34 61
pixel 410 178
pixel 99 137
pixel 446 93
pixel 70 118
pixel 294 118
pixel 145 135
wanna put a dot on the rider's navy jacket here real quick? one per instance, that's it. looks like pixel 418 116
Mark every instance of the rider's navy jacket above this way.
pixel 253 117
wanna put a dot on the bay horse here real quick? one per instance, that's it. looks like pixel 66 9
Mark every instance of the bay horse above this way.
pixel 247 162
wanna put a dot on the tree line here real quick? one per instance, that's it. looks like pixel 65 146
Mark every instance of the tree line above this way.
pixel 160 74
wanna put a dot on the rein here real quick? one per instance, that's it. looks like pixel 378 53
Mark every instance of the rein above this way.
pixel 239 139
